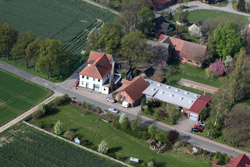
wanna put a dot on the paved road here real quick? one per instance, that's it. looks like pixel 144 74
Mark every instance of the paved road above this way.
pixel 24 115
pixel 103 7
pixel 191 138
pixel 196 5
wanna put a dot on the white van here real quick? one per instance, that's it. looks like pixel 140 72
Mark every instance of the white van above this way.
pixel 125 104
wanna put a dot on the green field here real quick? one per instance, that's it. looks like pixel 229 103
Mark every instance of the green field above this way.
pixel 198 15
pixel 69 21
pixel 23 146
pixel 17 96
pixel 91 130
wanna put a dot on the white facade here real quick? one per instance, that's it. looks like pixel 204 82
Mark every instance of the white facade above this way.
pixel 94 83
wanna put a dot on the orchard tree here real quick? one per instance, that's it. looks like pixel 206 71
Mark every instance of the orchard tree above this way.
pixel 218 68
pixel 8 37
pixel 92 43
pixel 162 136
pixel 227 40
pixel 123 118
pixel 103 147
pixel 58 128
pixel 146 24
pixel 52 58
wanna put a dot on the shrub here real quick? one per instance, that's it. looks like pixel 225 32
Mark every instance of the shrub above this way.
pixel 69 134
pixel 151 130
pixel 162 136
pixel 134 72
pixel 123 75
pixel 103 147
pixel 173 136
pixel 133 125
pixel 88 106
pixel 28 118
pixel 98 110
pixel 58 128
pixel 65 99
pixel 37 114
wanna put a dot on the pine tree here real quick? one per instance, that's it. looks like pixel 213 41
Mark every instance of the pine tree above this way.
pixel 241 5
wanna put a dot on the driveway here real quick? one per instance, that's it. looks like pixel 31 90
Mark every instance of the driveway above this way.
pixel 184 124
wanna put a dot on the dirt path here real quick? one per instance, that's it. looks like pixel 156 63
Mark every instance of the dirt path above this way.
pixel 24 115
pixel 197 85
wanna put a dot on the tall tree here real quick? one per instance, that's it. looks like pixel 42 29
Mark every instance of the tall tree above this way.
pixel 239 80
pixel 93 38
pixel 236 126
pixel 241 5
pixel 110 38
pixel 52 58
pixel 8 37
pixel 23 40
pixel 227 40
pixel 134 47
pixel 181 16
pixel 103 147
pixel 32 52
pixel 58 128
pixel 146 17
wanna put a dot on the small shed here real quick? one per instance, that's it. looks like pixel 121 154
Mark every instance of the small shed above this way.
pixel 77 141
pixel 132 159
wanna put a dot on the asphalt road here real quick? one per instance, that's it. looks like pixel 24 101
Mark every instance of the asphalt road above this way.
pixel 191 138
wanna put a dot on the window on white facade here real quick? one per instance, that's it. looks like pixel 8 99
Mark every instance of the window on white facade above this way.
pixel 82 76
pixel 82 83
pixel 99 80
pixel 87 77
pixel 93 79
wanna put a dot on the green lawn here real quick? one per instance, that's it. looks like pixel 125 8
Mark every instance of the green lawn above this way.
pixel 192 73
pixel 91 129
pixel 18 95
pixel 198 15
pixel 23 146
pixel 69 21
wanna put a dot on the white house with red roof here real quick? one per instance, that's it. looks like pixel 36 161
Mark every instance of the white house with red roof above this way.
pixel 96 72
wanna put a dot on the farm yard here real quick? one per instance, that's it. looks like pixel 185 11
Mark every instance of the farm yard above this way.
pixel 25 146
pixel 17 96
pixel 69 21
pixel 91 130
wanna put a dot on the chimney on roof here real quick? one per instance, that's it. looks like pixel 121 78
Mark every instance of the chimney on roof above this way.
pixel 111 78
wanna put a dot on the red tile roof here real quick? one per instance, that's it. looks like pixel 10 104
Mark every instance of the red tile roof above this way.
pixel 134 88
pixel 99 65
pixel 240 161
pixel 200 103
pixel 185 49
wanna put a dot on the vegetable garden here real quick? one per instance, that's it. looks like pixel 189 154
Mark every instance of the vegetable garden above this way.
pixel 24 146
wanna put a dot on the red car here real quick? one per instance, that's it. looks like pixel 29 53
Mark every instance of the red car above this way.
pixel 76 84
pixel 197 126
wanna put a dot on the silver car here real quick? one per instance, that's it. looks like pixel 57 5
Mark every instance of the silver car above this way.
pixel 114 110
pixel 110 99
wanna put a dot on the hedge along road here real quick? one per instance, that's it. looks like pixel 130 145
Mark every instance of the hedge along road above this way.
pixel 191 138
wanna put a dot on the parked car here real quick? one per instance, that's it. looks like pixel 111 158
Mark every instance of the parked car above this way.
pixel 110 99
pixel 197 126
pixel 200 123
pixel 114 110
pixel 76 84
pixel 196 130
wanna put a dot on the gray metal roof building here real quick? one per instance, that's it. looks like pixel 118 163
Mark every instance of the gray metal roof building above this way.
pixel 170 94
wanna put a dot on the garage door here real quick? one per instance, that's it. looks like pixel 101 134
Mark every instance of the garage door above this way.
pixel 96 87
pixel 193 117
